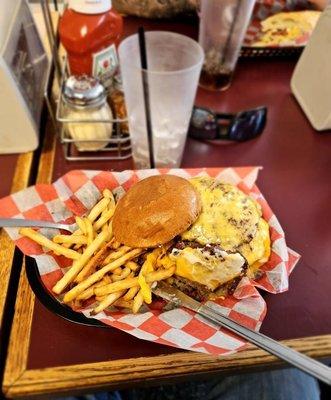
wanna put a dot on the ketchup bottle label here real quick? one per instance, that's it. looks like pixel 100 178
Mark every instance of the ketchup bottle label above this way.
pixel 105 64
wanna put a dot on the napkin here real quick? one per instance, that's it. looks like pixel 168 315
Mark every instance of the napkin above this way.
pixel 76 192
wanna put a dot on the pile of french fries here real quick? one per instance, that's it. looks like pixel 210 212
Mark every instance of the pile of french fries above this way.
pixel 103 270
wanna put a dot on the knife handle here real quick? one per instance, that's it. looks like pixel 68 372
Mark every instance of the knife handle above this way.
pixel 299 360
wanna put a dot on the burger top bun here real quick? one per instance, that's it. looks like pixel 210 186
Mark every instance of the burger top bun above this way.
pixel 155 210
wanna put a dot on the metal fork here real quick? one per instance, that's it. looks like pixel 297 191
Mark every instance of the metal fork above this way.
pixel 17 222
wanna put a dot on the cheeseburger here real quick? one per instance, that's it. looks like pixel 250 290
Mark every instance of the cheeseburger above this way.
pixel 211 231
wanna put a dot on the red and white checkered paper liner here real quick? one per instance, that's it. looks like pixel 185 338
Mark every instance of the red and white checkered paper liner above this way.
pixel 77 191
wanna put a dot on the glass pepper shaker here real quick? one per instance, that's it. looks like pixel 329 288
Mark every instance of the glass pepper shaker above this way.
pixel 85 101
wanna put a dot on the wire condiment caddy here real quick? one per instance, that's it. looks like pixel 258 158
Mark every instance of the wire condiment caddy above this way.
pixel 116 146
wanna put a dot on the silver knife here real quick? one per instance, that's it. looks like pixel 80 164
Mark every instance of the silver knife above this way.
pixel 299 360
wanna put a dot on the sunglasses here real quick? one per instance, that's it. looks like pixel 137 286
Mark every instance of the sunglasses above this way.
pixel 206 124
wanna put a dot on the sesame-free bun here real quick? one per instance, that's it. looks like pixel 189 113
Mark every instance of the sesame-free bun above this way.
pixel 155 210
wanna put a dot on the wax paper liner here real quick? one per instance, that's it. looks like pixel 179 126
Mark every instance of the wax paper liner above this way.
pixel 77 191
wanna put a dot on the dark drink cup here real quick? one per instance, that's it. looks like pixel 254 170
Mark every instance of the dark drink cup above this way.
pixel 219 80
pixel 223 25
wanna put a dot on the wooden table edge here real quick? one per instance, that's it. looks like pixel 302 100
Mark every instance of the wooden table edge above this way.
pixel 19 340
pixel 121 373
pixel 7 247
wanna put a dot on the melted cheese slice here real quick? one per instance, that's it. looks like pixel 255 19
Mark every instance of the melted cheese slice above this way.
pixel 229 217
pixel 212 271
pixel 258 249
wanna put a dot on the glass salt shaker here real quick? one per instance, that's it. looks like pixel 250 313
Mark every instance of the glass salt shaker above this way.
pixel 85 101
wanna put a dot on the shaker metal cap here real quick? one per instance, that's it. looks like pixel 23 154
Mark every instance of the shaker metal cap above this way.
pixel 83 91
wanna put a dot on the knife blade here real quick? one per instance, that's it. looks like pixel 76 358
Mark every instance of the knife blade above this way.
pixel 299 360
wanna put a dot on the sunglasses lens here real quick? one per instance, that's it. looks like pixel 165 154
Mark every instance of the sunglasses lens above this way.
pixel 203 124
pixel 248 124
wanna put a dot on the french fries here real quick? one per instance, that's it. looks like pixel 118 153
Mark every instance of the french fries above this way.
pixel 109 195
pixel 116 245
pixel 75 291
pixel 118 253
pixel 70 239
pixel 116 286
pixel 145 289
pixel 97 209
pixel 137 302
pixel 100 298
pixel 147 267
pixel 96 260
pixel 117 271
pixel 90 291
pixel 124 274
pixel 104 271
pixel 79 264
pixel 123 303
pixel 129 295
pixel 160 275
pixel 131 282
pixel 81 224
pixel 89 230
pixel 44 241
pixel 132 265
pixel 105 217
pixel 109 300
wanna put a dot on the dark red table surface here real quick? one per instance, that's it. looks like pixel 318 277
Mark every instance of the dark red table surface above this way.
pixel 7 170
pixel 295 180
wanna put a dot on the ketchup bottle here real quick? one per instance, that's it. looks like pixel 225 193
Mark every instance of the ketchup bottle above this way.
pixel 90 31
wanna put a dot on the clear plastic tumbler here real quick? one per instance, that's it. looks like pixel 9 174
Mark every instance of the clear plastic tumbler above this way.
pixel 174 65
pixel 223 25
